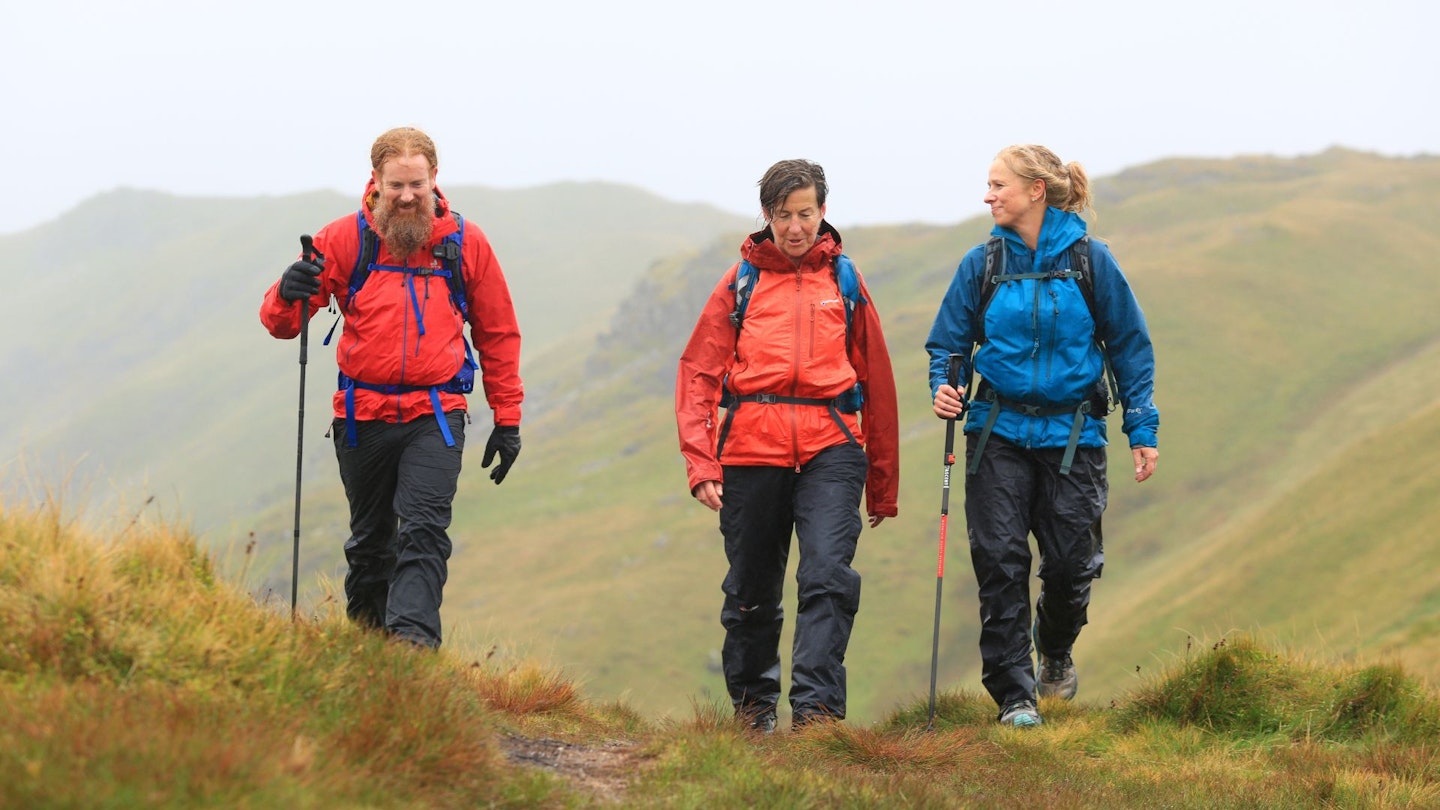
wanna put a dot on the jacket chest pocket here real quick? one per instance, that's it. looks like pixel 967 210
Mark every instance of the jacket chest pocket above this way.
pixel 824 325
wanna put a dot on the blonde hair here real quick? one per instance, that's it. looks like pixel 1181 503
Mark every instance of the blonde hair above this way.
pixel 1067 187
pixel 403 142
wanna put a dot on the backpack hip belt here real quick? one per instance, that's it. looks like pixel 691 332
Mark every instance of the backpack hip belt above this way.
pixel 348 384
pixel 731 403
pixel 986 393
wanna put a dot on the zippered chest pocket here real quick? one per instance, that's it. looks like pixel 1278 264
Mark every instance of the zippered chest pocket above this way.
pixel 824 324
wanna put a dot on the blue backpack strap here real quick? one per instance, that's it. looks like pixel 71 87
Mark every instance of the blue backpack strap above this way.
pixel 745 279
pixel 450 252
pixel 365 262
pixel 849 283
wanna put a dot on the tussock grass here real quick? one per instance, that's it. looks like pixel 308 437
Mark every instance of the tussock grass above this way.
pixel 132 663
pixel 133 675
pixel 1244 690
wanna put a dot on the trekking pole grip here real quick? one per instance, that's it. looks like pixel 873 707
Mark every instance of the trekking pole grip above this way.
pixel 307 252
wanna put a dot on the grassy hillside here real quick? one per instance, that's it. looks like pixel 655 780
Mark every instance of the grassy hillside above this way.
pixel 1299 377
pixel 127 661
pixel 132 329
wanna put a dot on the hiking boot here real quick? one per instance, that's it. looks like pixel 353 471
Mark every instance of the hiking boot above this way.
pixel 1020 715
pixel 758 718
pixel 1057 677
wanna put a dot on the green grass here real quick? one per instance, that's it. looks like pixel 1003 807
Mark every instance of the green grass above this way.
pixel 128 659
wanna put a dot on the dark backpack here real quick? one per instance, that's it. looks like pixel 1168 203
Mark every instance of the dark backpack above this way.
pixel 1080 270
pixel 449 252
pixel 1101 401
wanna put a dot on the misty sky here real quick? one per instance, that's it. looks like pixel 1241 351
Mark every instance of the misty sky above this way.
pixel 904 103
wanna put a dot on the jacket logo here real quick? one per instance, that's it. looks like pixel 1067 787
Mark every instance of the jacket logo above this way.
pixel 828 301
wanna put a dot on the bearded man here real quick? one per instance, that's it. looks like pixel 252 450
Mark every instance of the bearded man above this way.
pixel 409 274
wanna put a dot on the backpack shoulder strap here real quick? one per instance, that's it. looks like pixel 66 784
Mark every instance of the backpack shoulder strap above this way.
pixel 989 282
pixel 451 252
pixel 1080 262
pixel 745 278
pixel 845 278
pixel 369 249
pixel 849 282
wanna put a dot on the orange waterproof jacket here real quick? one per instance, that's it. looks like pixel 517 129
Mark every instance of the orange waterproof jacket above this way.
pixel 792 344
pixel 381 343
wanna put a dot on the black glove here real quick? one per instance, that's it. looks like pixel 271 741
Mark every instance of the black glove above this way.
pixel 300 280
pixel 505 440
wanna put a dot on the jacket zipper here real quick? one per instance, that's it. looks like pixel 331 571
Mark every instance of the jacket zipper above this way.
pixel 794 379
pixel 811 347
pixel 1035 340
pixel 404 341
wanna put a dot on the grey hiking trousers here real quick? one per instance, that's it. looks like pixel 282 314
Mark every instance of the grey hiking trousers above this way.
pixel 762 507
pixel 400 479
pixel 1013 493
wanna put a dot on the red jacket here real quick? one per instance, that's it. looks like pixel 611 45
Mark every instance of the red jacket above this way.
pixel 381 343
pixel 793 344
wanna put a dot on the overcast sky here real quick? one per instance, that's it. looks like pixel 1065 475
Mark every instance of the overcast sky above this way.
pixel 904 103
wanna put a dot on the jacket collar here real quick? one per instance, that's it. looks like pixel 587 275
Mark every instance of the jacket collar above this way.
pixel 760 250
pixel 1058 232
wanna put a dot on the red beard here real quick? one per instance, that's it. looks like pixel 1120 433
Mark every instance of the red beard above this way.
pixel 404 230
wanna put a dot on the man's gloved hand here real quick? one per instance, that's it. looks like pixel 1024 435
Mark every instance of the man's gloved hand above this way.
pixel 505 440
pixel 300 280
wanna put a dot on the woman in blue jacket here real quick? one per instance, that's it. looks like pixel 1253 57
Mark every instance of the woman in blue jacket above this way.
pixel 1043 308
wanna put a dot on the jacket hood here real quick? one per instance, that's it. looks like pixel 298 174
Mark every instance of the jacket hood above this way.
pixel 760 250
pixel 1058 232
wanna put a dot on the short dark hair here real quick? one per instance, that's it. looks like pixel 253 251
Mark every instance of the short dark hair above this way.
pixel 787 177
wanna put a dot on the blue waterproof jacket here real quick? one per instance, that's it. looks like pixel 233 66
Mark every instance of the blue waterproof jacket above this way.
pixel 1040 340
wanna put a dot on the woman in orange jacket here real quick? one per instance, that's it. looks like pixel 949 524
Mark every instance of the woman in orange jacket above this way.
pixel 790 345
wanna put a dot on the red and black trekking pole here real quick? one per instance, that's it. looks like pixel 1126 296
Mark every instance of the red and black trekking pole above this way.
pixel 307 250
pixel 954 380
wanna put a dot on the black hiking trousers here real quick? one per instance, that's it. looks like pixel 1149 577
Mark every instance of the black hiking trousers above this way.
pixel 820 504
pixel 400 479
pixel 1013 493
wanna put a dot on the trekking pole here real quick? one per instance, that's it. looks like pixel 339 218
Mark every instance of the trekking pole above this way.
pixel 954 380
pixel 307 250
